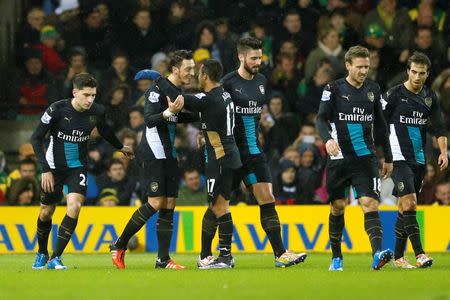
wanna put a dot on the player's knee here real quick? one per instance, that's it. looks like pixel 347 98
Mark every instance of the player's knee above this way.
pixel 219 210
pixel 46 213
pixel 338 207
pixel 368 204
pixel 73 208
pixel 409 203
pixel 156 203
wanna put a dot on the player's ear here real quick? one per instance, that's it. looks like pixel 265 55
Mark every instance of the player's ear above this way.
pixel 241 56
pixel 74 92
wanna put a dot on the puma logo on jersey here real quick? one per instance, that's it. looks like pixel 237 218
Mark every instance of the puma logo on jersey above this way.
pixel 347 97
pixel 404 100
pixel 239 90
pixel 67 119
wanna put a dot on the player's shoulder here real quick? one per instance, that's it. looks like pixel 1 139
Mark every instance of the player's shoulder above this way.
pixel 373 85
pixel 153 93
pixel 57 105
pixel 97 109
pixel 394 91
pixel 230 77
pixel 428 92
pixel 260 76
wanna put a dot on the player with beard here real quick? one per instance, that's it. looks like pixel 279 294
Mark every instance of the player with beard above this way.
pixel 247 88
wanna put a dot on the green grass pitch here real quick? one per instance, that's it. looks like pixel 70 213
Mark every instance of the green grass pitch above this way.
pixel 255 277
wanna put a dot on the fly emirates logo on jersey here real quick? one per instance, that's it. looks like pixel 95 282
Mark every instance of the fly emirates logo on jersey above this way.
pixel 252 108
pixel 77 136
pixel 416 119
pixel 358 114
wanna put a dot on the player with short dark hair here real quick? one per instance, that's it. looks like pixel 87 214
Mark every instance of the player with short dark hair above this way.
pixel 70 122
pixel 349 111
pixel 158 160
pixel 221 156
pixel 409 109
pixel 247 88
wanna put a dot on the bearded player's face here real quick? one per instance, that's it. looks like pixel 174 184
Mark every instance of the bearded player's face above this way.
pixel 251 60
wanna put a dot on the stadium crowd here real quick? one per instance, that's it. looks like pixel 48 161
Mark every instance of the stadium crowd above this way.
pixel 304 45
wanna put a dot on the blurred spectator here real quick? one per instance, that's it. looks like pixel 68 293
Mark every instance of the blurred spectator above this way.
pixel 27 169
pixel 268 10
pixel 29 33
pixel 259 31
pixel 424 42
pixel 310 92
pixel 51 59
pixel 77 65
pixel 308 13
pixel 285 77
pixel 33 88
pixel 117 180
pixel 192 192
pixel 426 14
pixel 431 178
pixel 27 165
pixel 353 18
pixel 285 189
pixel 119 72
pixel 205 38
pixel 347 35
pixel 142 85
pixel 3 176
pixel 328 47
pixel 137 122
pixel 289 47
pixel 309 173
pixel 275 123
pixel 375 38
pixel 442 194
pixel 24 192
pixel 160 63
pixel 108 197
pixel 95 36
pixel 291 153
pixel 441 86
pixel 395 21
pixel 375 72
pixel 180 28
pixel 292 30
pixel 226 41
pixel 140 38
pixel 117 106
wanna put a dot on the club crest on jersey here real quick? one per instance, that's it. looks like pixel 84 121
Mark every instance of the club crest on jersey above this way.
pixel 428 101
pixel 153 97
pixel 261 88
pixel 371 96
pixel 401 186
pixel 92 120
pixel 154 186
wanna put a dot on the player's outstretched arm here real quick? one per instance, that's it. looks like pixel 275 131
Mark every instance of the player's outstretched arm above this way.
pixel 194 102
pixel 108 134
